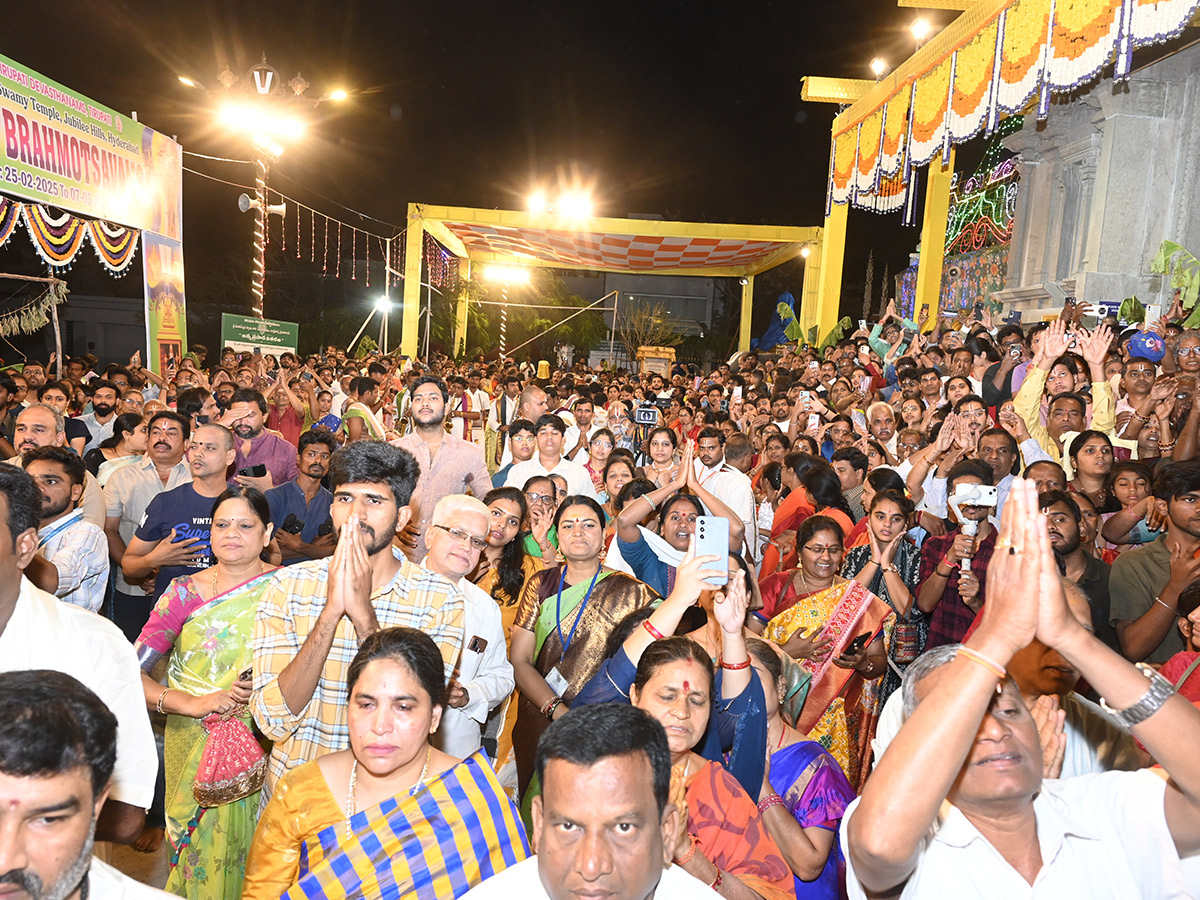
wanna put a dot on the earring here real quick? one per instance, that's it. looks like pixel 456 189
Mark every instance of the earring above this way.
pixel 558 556
pixel 603 553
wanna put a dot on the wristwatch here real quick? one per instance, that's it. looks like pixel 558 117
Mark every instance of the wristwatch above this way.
pixel 1150 702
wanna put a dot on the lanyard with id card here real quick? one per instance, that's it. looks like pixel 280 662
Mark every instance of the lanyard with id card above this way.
pixel 557 681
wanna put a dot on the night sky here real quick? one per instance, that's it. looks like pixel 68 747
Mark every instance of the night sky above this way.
pixel 688 110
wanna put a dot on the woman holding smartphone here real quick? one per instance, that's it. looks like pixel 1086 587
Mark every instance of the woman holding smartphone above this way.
pixel 203 624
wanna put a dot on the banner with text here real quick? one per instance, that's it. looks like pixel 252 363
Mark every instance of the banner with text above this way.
pixel 259 335
pixel 166 322
pixel 64 150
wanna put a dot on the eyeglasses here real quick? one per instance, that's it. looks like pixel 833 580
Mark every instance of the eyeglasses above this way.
pixel 462 537
pixel 539 498
pixel 822 551
pixel 1188 351
pixel 607 444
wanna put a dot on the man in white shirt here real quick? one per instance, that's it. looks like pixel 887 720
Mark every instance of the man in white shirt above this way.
pixel 37 631
pixel 549 460
pixel 958 806
pixel 58 742
pixel 72 557
pixel 729 485
pixel 481 403
pixel 579 436
pixel 601 766
pixel 502 412
pixel 484 677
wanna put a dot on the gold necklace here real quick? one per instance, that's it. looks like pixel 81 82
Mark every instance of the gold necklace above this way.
pixel 261 570
pixel 352 789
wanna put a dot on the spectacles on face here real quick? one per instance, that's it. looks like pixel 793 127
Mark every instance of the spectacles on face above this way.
pixel 822 551
pixel 1188 351
pixel 602 444
pixel 463 538
pixel 539 498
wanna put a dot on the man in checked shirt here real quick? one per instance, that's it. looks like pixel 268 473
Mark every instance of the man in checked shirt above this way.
pixel 314 615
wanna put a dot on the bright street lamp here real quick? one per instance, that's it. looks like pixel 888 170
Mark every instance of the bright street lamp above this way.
pixel 878 67
pixel 921 29
pixel 804 251
pixel 507 274
pixel 339 95
pixel 575 205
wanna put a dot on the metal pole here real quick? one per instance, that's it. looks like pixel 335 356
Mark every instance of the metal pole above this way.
pixel 580 311
pixel 612 338
pixel 504 321
pixel 259 269
pixel 366 322
pixel 428 318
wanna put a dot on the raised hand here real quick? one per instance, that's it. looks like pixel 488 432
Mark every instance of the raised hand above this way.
pixel 1015 575
pixel 1093 345
pixel 1054 343
pixel 690 576
pixel 730 605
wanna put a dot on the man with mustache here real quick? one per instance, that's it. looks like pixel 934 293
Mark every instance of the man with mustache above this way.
pixel 314 615
pixel 449 464
pixel 72 557
pixel 127 493
pixel 104 410
pixel 255 445
pixel 41 425
pixel 58 745
pixel 305 498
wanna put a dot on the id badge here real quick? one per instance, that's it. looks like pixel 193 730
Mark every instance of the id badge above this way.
pixel 557 682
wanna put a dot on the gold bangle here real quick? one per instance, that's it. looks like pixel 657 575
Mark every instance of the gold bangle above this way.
pixel 159 705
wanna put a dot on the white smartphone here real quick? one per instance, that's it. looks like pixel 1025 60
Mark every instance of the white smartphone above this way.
pixel 712 539
pixel 814 420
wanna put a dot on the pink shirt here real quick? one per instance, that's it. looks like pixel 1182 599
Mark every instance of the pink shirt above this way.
pixel 458 469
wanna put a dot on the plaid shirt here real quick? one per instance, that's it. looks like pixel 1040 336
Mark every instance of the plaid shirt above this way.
pixel 950 619
pixel 287 614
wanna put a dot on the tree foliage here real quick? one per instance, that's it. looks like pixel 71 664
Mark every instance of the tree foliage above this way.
pixel 647 326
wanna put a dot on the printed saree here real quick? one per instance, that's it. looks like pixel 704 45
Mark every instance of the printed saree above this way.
pixel 832 712
pixel 816 793
pixel 732 835
pixel 455 832
pixel 614 597
pixel 208 845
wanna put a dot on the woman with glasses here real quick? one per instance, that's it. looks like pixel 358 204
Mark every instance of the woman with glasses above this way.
pixel 599 449
pixel 835 627
pixel 541 540
pixel 563 622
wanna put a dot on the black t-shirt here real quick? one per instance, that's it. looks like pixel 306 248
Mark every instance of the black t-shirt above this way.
pixel 190 514
pixel 76 429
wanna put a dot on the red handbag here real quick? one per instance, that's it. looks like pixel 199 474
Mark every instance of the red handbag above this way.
pixel 232 764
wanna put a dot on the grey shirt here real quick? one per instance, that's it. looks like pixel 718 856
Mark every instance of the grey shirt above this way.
pixel 1137 577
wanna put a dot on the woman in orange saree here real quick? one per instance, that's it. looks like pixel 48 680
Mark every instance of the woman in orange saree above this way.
pixel 836 629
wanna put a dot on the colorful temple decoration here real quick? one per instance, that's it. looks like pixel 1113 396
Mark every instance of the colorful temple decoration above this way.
pixel 58 236
pixel 994 61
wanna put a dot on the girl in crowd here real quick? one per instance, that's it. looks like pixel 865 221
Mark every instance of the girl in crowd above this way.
pixel 1137 521
pixel 804 793
pixel 662 467
pixel 563 620
pixel 888 566
pixel 599 448
pixel 912 413
pixel 811 611
pixel 877 480
pixel 204 624
pixel 618 472
pixel 957 387
pixel 127 444
pixel 391 816
pixel 1091 455
pixel 689 423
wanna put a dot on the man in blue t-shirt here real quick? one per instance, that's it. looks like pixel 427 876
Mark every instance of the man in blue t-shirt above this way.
pixel 174 536
pixel 304 498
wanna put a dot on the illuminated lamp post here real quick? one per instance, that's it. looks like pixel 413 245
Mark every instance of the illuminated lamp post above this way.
pixel 505 276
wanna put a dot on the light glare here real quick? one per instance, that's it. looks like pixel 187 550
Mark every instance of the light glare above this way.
pixel 183 79
pixel 339 95
pixel 536 203
pixel 507 274
pixel 575 205
pixel 921 29
pixel 878 66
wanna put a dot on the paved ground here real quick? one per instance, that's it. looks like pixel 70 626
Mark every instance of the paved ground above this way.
pixel 148 868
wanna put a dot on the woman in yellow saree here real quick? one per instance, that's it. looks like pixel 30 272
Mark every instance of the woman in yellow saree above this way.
pixel 204 624
pixel 563 621
pixel 837 628
pixel 392 816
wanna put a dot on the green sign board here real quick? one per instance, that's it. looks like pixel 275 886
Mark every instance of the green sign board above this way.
pixel 265 335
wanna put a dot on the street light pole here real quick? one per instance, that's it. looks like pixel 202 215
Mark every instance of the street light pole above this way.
pixel 259 277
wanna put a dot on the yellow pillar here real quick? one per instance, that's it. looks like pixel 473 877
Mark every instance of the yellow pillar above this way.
pixel 414 241
pixel 807 310
pixel 933 240
pixel 460 309
pixel 829 275
pixel 747 306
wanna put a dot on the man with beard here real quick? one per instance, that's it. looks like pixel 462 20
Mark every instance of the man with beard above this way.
pixel 314 615
pixel 304 499
pixel 72 557
pixel 1063 518
pixel 449 464
pixel 58 749
pixel 99 421
pixel 41 425
pixel 174 537
pixel 255 446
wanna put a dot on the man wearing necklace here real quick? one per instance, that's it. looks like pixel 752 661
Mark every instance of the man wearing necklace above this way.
pixel 314 616
pixel 58 746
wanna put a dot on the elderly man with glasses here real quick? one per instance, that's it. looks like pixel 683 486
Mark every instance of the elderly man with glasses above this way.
pixel 483 678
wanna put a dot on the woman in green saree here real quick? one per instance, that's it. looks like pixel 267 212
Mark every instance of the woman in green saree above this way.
pixel 563 621
pixel 203 624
